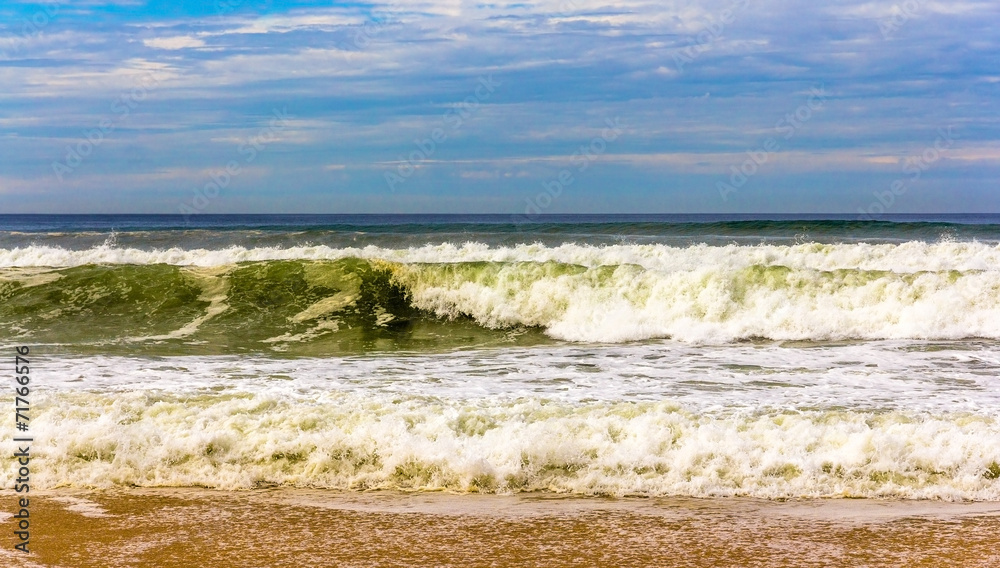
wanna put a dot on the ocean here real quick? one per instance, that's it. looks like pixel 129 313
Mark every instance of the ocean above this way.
pixel 685 356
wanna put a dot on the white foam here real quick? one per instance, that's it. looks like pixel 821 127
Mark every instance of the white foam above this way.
pixel 715 304
pixel 906 257
pixel 349 441
pixel 83 507
pixel 887 376
pixel 885 419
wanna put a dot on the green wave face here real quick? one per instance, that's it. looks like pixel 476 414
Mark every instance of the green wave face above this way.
pixel 97 303
pixel 294 307
pixel 316 308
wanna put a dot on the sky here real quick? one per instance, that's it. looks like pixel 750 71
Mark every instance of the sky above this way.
pixel 559 106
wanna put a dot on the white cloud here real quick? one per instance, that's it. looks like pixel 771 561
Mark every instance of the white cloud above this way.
pixel 176 42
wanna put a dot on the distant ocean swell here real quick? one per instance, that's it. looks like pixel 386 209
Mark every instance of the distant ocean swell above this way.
pixel 351 441
pixel 267 298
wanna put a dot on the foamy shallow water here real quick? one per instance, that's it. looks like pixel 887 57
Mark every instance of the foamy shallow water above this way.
pixel 881 376
pixel 882 419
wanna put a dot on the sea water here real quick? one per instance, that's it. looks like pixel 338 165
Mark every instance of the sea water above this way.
pixel 591 355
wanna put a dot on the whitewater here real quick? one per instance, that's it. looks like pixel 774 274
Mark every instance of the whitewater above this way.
pixel 647 359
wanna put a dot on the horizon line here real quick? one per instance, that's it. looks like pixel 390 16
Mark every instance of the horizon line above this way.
pixel 522 216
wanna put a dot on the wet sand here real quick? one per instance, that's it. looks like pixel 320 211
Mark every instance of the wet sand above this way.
pixel 289 527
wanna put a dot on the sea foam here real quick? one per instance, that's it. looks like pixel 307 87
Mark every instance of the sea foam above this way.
pixel 350 441
pixel 866 420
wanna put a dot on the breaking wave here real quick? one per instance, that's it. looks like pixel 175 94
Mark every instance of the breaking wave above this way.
pixel 269 298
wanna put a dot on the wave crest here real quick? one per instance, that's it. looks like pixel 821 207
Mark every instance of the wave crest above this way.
pixel 274 298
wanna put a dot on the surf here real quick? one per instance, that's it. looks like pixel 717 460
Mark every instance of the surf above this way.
pixel 281 299
pixel 347 441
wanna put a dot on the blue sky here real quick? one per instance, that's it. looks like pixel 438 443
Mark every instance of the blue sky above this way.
pixel 558 106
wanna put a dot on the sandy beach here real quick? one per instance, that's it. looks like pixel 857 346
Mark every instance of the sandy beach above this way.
pixel 291 527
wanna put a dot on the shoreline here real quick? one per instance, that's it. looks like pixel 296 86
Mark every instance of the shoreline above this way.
pixel 307 527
